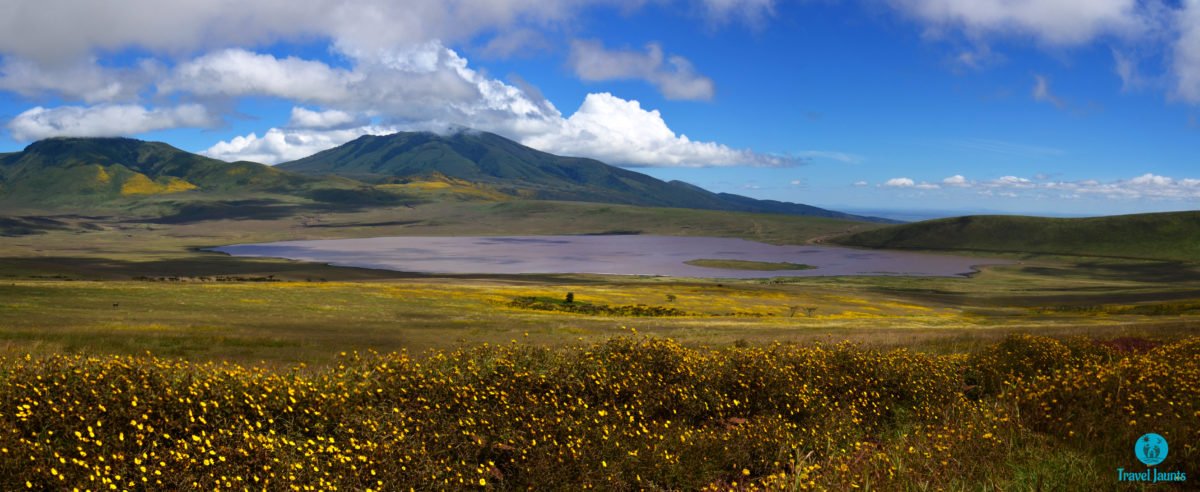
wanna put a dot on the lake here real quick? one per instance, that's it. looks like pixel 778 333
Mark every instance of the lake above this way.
pixel 603 254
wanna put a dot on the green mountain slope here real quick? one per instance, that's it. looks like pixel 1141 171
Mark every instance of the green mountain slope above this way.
pixel 1163 236
pixel 83 171
pixel 513 168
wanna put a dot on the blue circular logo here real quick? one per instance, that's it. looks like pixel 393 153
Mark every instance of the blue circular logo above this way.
pixel 1151 449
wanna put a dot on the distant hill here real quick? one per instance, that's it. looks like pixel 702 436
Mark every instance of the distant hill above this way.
pixel 83 171
pixel 1164 236
pixel 521 171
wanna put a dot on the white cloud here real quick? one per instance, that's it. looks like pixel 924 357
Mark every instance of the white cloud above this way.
pixel 425 82
pixel 860 184
pixel 306 118
pixel 85 81
pixel 105 120
pixel 237 72
pixel 425 86
pixel 1010 181
pixel 1041 92
pixel 957 180
pixel 56 30
pixel 277 145
pixel 674 76
pixel 909 183
pixel 604 127
pixel 1054 22
pixel 1147 186
pixel 1128 26
pixel 618 131
pixel 1187 52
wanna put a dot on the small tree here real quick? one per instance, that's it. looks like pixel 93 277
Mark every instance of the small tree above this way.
pixel 570 297
pixel 671 297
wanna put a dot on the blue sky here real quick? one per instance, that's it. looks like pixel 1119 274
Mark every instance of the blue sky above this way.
pixel 1021 106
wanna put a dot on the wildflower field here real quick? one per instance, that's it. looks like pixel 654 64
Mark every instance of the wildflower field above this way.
pixel 628 413
pixel 132 360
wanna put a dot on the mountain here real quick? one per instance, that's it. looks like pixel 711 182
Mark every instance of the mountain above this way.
pixel 91 170
pixel 1161 236
pixel 518 170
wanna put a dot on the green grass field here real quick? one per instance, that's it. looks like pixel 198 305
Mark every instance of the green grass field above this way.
pixel 128 285
pixel 1159 236
pixel 213 367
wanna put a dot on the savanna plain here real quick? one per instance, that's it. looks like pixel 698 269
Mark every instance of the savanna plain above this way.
pixel 133 359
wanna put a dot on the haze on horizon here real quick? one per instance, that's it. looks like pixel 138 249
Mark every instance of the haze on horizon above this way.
pixel 1021 106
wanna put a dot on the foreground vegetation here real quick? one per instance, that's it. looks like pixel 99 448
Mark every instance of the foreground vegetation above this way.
pixel 628 413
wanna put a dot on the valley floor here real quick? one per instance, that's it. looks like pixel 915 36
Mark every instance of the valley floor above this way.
pixel 1012 379
pixel 122 285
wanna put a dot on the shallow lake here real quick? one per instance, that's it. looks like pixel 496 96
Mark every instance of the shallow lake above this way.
pixel 615 254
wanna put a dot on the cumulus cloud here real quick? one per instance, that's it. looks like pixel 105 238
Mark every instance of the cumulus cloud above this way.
pixel 426 86
pixel 673 75
pixel 278 145
pixel 105 120
pixel 604 127
pixel 957 181
pixel 1012 181
pixel 619 131
pixel 307 118
pixel 909 183
pixel 423 82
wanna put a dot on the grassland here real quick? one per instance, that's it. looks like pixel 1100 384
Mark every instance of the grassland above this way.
pixel 266 373
pixel 762 266
pixel 1160 236
pixel 72 289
